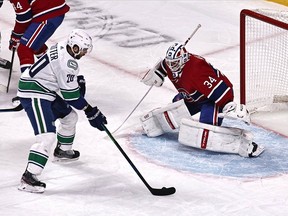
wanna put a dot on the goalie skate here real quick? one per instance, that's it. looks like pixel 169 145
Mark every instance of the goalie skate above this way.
pixel 257 150
pixel 30 183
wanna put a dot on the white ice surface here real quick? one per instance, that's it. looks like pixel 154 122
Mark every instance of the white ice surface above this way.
pixel 102 182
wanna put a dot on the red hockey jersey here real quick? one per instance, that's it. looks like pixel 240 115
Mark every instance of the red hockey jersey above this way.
pixel 28 11
pixel 199 81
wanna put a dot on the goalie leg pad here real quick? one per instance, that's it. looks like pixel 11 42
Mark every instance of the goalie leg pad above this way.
pixel 215 138
pixel 150 125
pixel 166 119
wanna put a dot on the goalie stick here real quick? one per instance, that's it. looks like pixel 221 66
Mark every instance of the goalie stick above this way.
pixel 196 29
pixel 17 108
pixel 133 110
pixel 188 39
pixel 155 191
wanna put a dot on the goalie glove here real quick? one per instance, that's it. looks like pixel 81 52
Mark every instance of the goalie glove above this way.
pixel 155 76
pixel 235 111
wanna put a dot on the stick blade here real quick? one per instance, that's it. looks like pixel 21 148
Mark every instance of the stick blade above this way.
pixel 163 191
pixel 17 108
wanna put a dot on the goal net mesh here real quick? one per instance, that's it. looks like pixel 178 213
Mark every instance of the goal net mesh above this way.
pixel 264 58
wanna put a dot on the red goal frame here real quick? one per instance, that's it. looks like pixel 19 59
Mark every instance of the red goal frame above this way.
pixel 243 14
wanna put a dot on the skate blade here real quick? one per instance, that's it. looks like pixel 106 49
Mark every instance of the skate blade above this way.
pixel 29 188
pixel 64 160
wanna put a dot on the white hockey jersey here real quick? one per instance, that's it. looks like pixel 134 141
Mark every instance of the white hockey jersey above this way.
pixel 55 71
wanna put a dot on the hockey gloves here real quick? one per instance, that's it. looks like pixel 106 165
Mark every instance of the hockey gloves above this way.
pixel 14 40
pixel 82 84
pixel 95 117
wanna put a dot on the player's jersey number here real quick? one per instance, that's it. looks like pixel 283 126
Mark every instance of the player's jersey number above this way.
pixel 39 65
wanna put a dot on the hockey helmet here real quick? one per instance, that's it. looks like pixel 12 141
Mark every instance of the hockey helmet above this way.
pixel 82 40
pixel 176 57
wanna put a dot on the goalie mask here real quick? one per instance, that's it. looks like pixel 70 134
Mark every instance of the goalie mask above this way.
pixel 80 43
pixel 176 57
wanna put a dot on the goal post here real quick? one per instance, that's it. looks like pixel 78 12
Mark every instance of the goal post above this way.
pixel 263 58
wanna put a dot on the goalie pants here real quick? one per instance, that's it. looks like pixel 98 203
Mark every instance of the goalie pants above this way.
pixel 208 110
pixel 42 115
pixel 34 38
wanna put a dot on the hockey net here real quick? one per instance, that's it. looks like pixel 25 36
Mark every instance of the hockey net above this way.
pixel 264 59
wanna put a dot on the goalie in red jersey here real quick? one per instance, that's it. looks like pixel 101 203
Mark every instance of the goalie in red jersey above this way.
pixel 35 23
pixel 201 89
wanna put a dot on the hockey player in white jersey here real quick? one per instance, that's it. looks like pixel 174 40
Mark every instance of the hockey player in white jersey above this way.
pixel 54 74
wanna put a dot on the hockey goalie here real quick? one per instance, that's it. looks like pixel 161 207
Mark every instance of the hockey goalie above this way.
pixel 201 89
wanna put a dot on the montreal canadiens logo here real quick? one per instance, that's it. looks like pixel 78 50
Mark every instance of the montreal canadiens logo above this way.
pixel 184 94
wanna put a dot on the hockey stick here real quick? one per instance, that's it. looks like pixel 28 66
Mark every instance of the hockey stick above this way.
pixel 198 26
pixel 133 110
pixel 11 68
pixel 5 63
pixel 157 192
pixel 17 108
pixel 188 39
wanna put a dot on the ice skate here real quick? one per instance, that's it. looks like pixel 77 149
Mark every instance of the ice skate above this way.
pixel 30 183
pixel 69 155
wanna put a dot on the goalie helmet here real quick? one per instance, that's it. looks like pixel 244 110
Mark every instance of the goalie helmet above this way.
pixel 176 57
pixel 82 40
